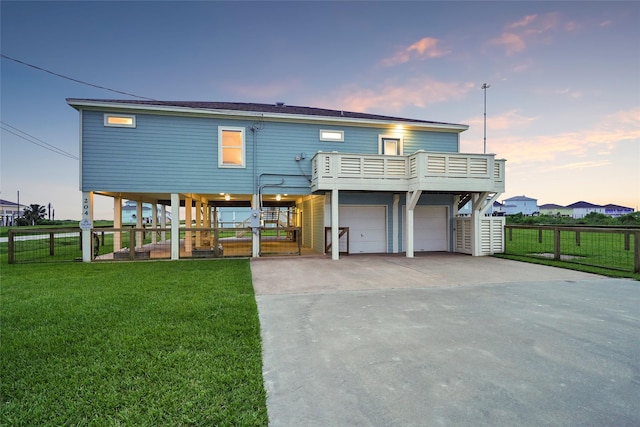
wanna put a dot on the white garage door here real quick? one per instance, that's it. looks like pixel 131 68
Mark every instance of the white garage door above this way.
pixel 367 228
pixel 430 229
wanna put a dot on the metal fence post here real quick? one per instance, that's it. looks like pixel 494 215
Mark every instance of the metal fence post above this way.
pixel 11 248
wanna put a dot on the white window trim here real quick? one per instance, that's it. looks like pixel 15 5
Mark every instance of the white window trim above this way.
pixel 119 125
pixel 400 140
pixel 244 146
pixel 324 137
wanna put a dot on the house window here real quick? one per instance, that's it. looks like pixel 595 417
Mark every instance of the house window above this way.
pixel 231 147
pixel 120 120
pixel 390 145
pixel 332 135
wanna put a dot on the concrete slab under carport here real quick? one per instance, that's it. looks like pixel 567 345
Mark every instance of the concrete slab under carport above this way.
pixel 446 339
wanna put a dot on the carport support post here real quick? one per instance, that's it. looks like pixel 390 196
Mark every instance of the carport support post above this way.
pixel 117 223
pixel 335 230
pixel 188 211
pixel 163 222
pixel 412 201
pixel 139 235
pixel 175 226
pixel 154 223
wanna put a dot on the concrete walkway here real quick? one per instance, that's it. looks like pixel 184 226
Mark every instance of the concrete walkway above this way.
pixel 446 339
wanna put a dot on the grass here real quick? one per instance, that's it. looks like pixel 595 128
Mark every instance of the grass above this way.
pixel 145 344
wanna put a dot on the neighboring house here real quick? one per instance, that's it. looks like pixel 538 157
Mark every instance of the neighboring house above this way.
pixel 497 209
pixel 396 183
pixel 9 212
pixel 616 210
pixel 521 204
pixel 552 209
pixel 130 213
pixel 581 209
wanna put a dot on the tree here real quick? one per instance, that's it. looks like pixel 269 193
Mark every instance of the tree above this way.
pixel 34 213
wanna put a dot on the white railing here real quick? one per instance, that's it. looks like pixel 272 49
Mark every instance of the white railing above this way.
pixel 422 170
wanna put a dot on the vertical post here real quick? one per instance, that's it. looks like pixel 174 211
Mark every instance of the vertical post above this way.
pixel 556 243
pixel 216 242
pixel 154 222
pixel 175 226
pixel 117 223
pixel 132 245
pixel 577 238
pixel 335 221
pixel 86 225
pixel 188 212
pixel 255 231
pixel 409 235
pixel 140 237
pixel 163 223
pixel 51 243
pixel 198 223
pixel 485 87
pixel 395 214
pixel 11 247
pixel 636 252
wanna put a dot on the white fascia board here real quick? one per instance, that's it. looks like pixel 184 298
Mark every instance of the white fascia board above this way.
pixel 79 104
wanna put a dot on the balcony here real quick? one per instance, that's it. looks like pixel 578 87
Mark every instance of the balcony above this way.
pixel 422 170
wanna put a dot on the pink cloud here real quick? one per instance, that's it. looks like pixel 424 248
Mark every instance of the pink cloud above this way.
pixel 391 97
pixel 610 131
pixel 517 35
pixel 424 48
pixel 512 42
pixel 523 22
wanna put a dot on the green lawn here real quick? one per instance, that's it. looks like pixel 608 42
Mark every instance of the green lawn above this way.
pixel 145 344
pixel 602 253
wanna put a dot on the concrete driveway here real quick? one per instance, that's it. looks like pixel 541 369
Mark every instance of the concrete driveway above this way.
pixel 446 339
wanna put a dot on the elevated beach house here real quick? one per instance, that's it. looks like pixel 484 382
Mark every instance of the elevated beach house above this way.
pixel 372 183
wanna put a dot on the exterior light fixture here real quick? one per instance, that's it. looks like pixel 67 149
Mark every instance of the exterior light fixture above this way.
pixel 227 197
pixel 278 197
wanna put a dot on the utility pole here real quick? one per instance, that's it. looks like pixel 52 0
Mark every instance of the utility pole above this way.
pixel 485 87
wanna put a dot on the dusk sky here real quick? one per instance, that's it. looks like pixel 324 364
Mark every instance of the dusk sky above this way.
pixel 563 107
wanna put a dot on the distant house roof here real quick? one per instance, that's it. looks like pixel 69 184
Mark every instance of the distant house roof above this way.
pixel 520 199
pixel 617 207
pixel 582 204
pixel 497 204
pixel 8 203
pixel 268 110
pixel 551 206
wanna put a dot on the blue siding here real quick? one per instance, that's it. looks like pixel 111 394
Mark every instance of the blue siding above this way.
pixel 167 153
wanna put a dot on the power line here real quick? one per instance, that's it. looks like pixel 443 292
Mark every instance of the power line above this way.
pixel 32 139
pixel 72 79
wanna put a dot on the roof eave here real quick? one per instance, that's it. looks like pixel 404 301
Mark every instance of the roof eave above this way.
pixel 79 104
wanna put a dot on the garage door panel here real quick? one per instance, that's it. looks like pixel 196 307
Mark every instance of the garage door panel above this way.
pixel 367 228
pixel 430 229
